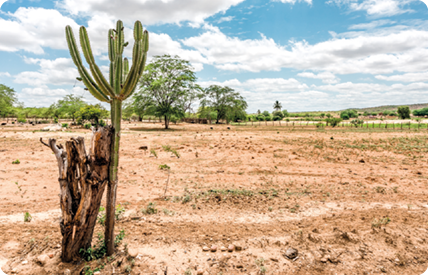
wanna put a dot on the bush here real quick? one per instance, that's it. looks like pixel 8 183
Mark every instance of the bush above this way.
pixel 276 118
pixel 56 120
pixel 347 114
pixel 102 123
pixel 278 114
pixel 421 112
pixel 88 126
pixel 403 112
pixel 22 120
pixel 333 121
pixel 357 122
pixel 65 125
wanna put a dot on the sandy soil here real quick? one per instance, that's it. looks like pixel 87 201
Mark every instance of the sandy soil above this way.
pixel 349 201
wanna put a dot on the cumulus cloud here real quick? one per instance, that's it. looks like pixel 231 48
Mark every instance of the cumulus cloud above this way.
pixel 149 11
pixel 409 77
pixel 5 74
pixel 375 7
pixel 31 29
pixel 60 71
pixel 293 1
pixel 326 77
pixel 371 25
pixel 373 53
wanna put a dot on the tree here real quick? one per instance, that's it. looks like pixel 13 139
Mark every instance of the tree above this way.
pixel 285 112
pixel 70 105
pixel 277 115
pixel 277 106
pixel 224 100
pixel 403 112
pixel 322 115
pixel 347 114
pixel 167 88
pixel 421 112
pixel 83 177
pixel 92 113
pixel 7 100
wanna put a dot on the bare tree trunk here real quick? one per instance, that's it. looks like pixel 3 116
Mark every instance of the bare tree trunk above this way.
pixel 82 179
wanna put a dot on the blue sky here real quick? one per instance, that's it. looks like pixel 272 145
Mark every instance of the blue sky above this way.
pixel 308 54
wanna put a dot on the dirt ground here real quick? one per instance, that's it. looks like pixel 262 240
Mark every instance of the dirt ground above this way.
pixel 349 201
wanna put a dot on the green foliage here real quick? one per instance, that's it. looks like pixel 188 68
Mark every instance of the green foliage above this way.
pixel 333 121
pixel 347 114
pixel 153 152
pixel 380 222
pixel 70 105
pixel 322 115
pixel 99 250
pixel 421 112
pixel 278 114
pixel 228 104
pixel 27 217
pixel 168 88
pixel 88 126
pixel 277 106
pixel 357 122
pixel 7 100
pixel 16 161
pixel 119 211
pixel 91 113
pixel 285 112
pixel 101 219
pixel 403 112
pixel 64 125
pixel 164 167
pixel 150 209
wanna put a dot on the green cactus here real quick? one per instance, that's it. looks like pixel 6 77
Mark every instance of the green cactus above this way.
pixel 121 84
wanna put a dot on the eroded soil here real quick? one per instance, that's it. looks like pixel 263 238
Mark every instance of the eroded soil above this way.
pixel 350 201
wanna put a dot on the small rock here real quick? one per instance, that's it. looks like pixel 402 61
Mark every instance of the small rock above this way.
pixel 238 247
pixel 97 272
pixel 323 260
pixel 291 253
pixel 199 272
pixel 51 255
pixel 42 259
pixel 230 248
pixel 362 161
pixel 274 259
pixel 133 252
pixel 223 248
pixel 67 272
pixel 205 248
pixel 213 248
pixel 24 262
pixel 239 266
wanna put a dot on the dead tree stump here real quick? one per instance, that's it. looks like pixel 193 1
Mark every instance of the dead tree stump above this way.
pixel 82 178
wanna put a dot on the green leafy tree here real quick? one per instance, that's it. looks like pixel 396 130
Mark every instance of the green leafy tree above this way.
pixel 421 112
pixel 70 105
pixel 403 112
pixel 277 115
pixel 225 101
pixel 322 115
pixel 347 114
pixel 166 88
pixel 91 113
pixel 285 112
pixel 277 106
pixel 7 100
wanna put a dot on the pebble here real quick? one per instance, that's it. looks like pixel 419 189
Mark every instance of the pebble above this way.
pixel 51 255
pixel 67 272
pixel 291 253
pixel 230 248
pixel 199 272
pixel 42 259
pixel 238 247
pixel 213 248
pixel 133 252
pixel 24 262
pixel 205 248
pixel 223 248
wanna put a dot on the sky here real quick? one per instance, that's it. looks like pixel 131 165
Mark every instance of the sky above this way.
pixel 311 55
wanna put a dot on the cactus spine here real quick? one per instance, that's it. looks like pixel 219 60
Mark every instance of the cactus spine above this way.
pixel 121 84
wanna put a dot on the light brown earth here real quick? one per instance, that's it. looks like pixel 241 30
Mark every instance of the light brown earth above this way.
pixel 350 201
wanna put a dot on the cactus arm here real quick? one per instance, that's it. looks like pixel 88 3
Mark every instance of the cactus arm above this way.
pixel 86 78
pixel 125 69
pixel 111 51
pixel 118 74
pixel 95 70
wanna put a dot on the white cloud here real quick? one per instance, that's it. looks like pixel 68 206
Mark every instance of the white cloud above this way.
pixel 293 1
pixel 326 77
pixel 5 74
pixel 409 77
pixel 373 53
pixel 60 71
pixel 149 12
pixel 371 25
pixel 31 29
pixel 375 7
pixel 225 19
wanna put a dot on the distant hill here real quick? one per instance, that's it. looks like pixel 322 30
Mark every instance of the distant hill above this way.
pixel 390 107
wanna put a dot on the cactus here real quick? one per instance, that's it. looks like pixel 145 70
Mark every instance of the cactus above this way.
pixel 121 84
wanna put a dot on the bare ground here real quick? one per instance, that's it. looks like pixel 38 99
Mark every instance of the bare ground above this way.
pixel 350 201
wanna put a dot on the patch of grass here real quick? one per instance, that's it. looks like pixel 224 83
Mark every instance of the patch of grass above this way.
pixel 27 217
pixel 150 209
pixel 168 212
pixel 16 161
pixel 164 167
pixel 379 222
pixel 153 152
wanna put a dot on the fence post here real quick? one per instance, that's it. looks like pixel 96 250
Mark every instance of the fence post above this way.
pixel 386 125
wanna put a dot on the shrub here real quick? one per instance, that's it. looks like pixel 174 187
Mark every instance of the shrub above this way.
pixel 88 126
pixel 16 161
pixel 102 123
pixel 150 209
pixel 56 120
pixel 347 114
pixel 65 125
pixel 333 121
pixel 403 112
pixel 22 120
pixel 421 112
pixel 357 122
pixel 27 217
